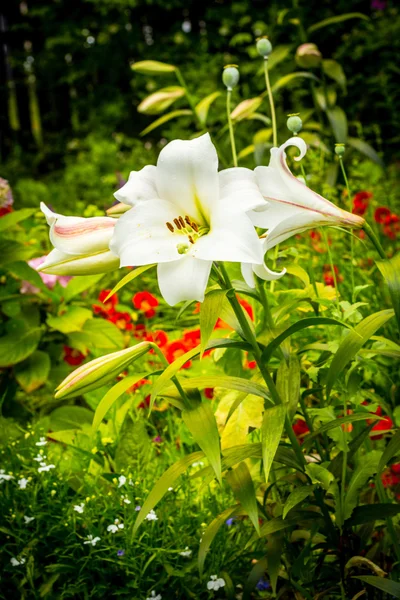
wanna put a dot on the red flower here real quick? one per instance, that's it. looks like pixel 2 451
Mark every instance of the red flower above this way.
pixel 329 278
pixel 176 349
pixel 121 320
pixel 209 393
pixel 381 213
pixel 300 428
pixel 360 203
pixel 138 385
pixel 145 302
pixel 159 337
pixel 383 425
pixel 146 402
pixel 106 306
pixel 4 210
pixel 247 307
pixel 392 226
pixel 73 357
pixel 395 469
pixel 191 338
pixel 390 479
pixel 140 332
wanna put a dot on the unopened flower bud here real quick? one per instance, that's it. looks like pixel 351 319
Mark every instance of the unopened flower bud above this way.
pixel 264 47
pixel 294 123
pixel 230 76
pixel 340 149
pixel 308 56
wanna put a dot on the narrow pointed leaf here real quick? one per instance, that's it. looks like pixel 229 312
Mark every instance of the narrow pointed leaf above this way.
pixel 212 531
pixel 366 469
pixel 9 220
pixel 243 487
pixel 338 121
pixel 210 311
pixel 271 432
pixel 279 524
pixel 338 423
pixel 165 118
pixel 288 383
pixel 203 106
pixel 274 553
pixel 230 383
pixel 390 270
pixel 111 397
pixel 337 19
pixel 128 278
pixel 202 425
pixel 152 67
pixel 373 512
pixel 391 450
pixel 365 149
pixel 286 79
pixel 297 496
pixel 386 585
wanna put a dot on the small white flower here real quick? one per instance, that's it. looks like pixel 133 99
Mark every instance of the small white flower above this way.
pixel 151 516
pixel 154 596
pixel 43 467
pixel 22 483
pixel 126 500
pixel 121 480
pixel 40 457
pixel 130 482
pixel 4 477
pixel 115 526
pixel 92 540
pixel 187 553
pixel 41 442
pixel 198 464
pixel 79 508
pixel 170 489
pixel 28 519
pixel 215 583
pixel 15 562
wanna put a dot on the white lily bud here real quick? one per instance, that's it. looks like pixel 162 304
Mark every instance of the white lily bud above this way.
pixel 118 209
pixel 81 245
pixel 99 371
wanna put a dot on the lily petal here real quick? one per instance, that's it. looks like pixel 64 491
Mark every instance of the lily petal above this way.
pixel 239 185
pixel 187 176
pixel 140 186
pixel 185 279
pixel 60 263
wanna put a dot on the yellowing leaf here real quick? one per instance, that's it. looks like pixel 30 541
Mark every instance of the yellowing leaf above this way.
pixel 248 414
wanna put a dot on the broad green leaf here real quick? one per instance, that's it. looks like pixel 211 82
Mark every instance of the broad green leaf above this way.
pixel 288 383
pixel 365 149
pixel 286 79
pixel 152 67
pixel 71 319
pixel 23 271
pixel 11 251
pixel 160 100
pixel 209 313
pixel 128 278
pixel 391 450
pixel 230 383
pixel 271 432
pixel 97 334
pixel 386 585
pixel 165 118
pixel 202 425
pixel 297 496
pixel 203 106
pixel 319 475
pixel 373 512
pixel 19 342
pixel 77 285
pixel 246 108
pixel 366 469
pixel 338 121
pixel 336 19
pixel 390 270
pixel 33 372
pixel 166 480
pixel 112 396
pixel 243 487
pixel 278 54
pixel 279 524
pixel 134 444
pixel 70 417
pixel 211 532
pixel 335 71
pixel 303 324
pixel 247 414
pixel 352 343
pixel 9 220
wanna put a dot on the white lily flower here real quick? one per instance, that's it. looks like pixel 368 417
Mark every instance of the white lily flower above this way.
pixel 185 216
pixel 81 245
pixel 290 207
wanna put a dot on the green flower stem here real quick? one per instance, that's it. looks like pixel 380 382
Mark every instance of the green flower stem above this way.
pixel 351 237
pixel 344 468
pixel 189 97
pixel 267 320
pixel 371 234
pixel 271 103
pixel 272 283
pixel 250 337
pixel 231 134
pixel 332 267
pixel 174 379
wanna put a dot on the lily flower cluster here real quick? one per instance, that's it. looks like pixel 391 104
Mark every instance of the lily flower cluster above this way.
pixel 183 215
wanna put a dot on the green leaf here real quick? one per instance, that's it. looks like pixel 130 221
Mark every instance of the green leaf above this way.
pixel 365 149
pixel 386 585
pixel 243 487
pixel 391 450
pixel 203 106
pixel 212 531
pixel 160 100
pixel 166 480
pixel 70 417
pixel 338 121
pixel 337 19
pixel 302 324
pixel 230 383
pixel 11 251
pixel 366 469
pixel 286 79
pixel 19 342
pixel 254 577
pixel 165 118
pixel 8 221
pixel 128 278
pixel 209 313
pixel 271 432
pixel 71 319
pixel 335 466
pixel 373 512
pixel 33 372
pixel 152 67
pixel 246 108
pixel 97 334
pixel 319 475
pixel 202 425
pixel 171 371
pixel 23 271
pixel 112 396
pixel 352 343
pixel 338 423
pixel 77 285
pixel 279 524
pixel 288 383
pixel 278 54
pixel 274 555
pixel 335 71
pixel 297 496
pixel 390 270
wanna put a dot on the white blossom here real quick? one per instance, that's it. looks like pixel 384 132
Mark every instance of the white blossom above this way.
pixel 79 508
pixel 121 480
pixel 41 442
pixel 23 483
pixel 44 468
pixel 151 516
pixel 92 540
pixel 16 562
pixel 40 457
pixel 215 583
pixel 153 596
pixel 125 500
pixel 187 553
pixel 28 519
pixel 4 476
pixel 115 526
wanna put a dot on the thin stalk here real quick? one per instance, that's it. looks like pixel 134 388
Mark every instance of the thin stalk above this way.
pixel 272 283
pixel 332 268
pixel 271 103
pixel 231 134
pixel 371 234
pixel 267 320
pixel 189 97
pixel 351 238
pixel 344 468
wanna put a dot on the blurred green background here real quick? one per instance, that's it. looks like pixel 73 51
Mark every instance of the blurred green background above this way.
pixel 70 129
